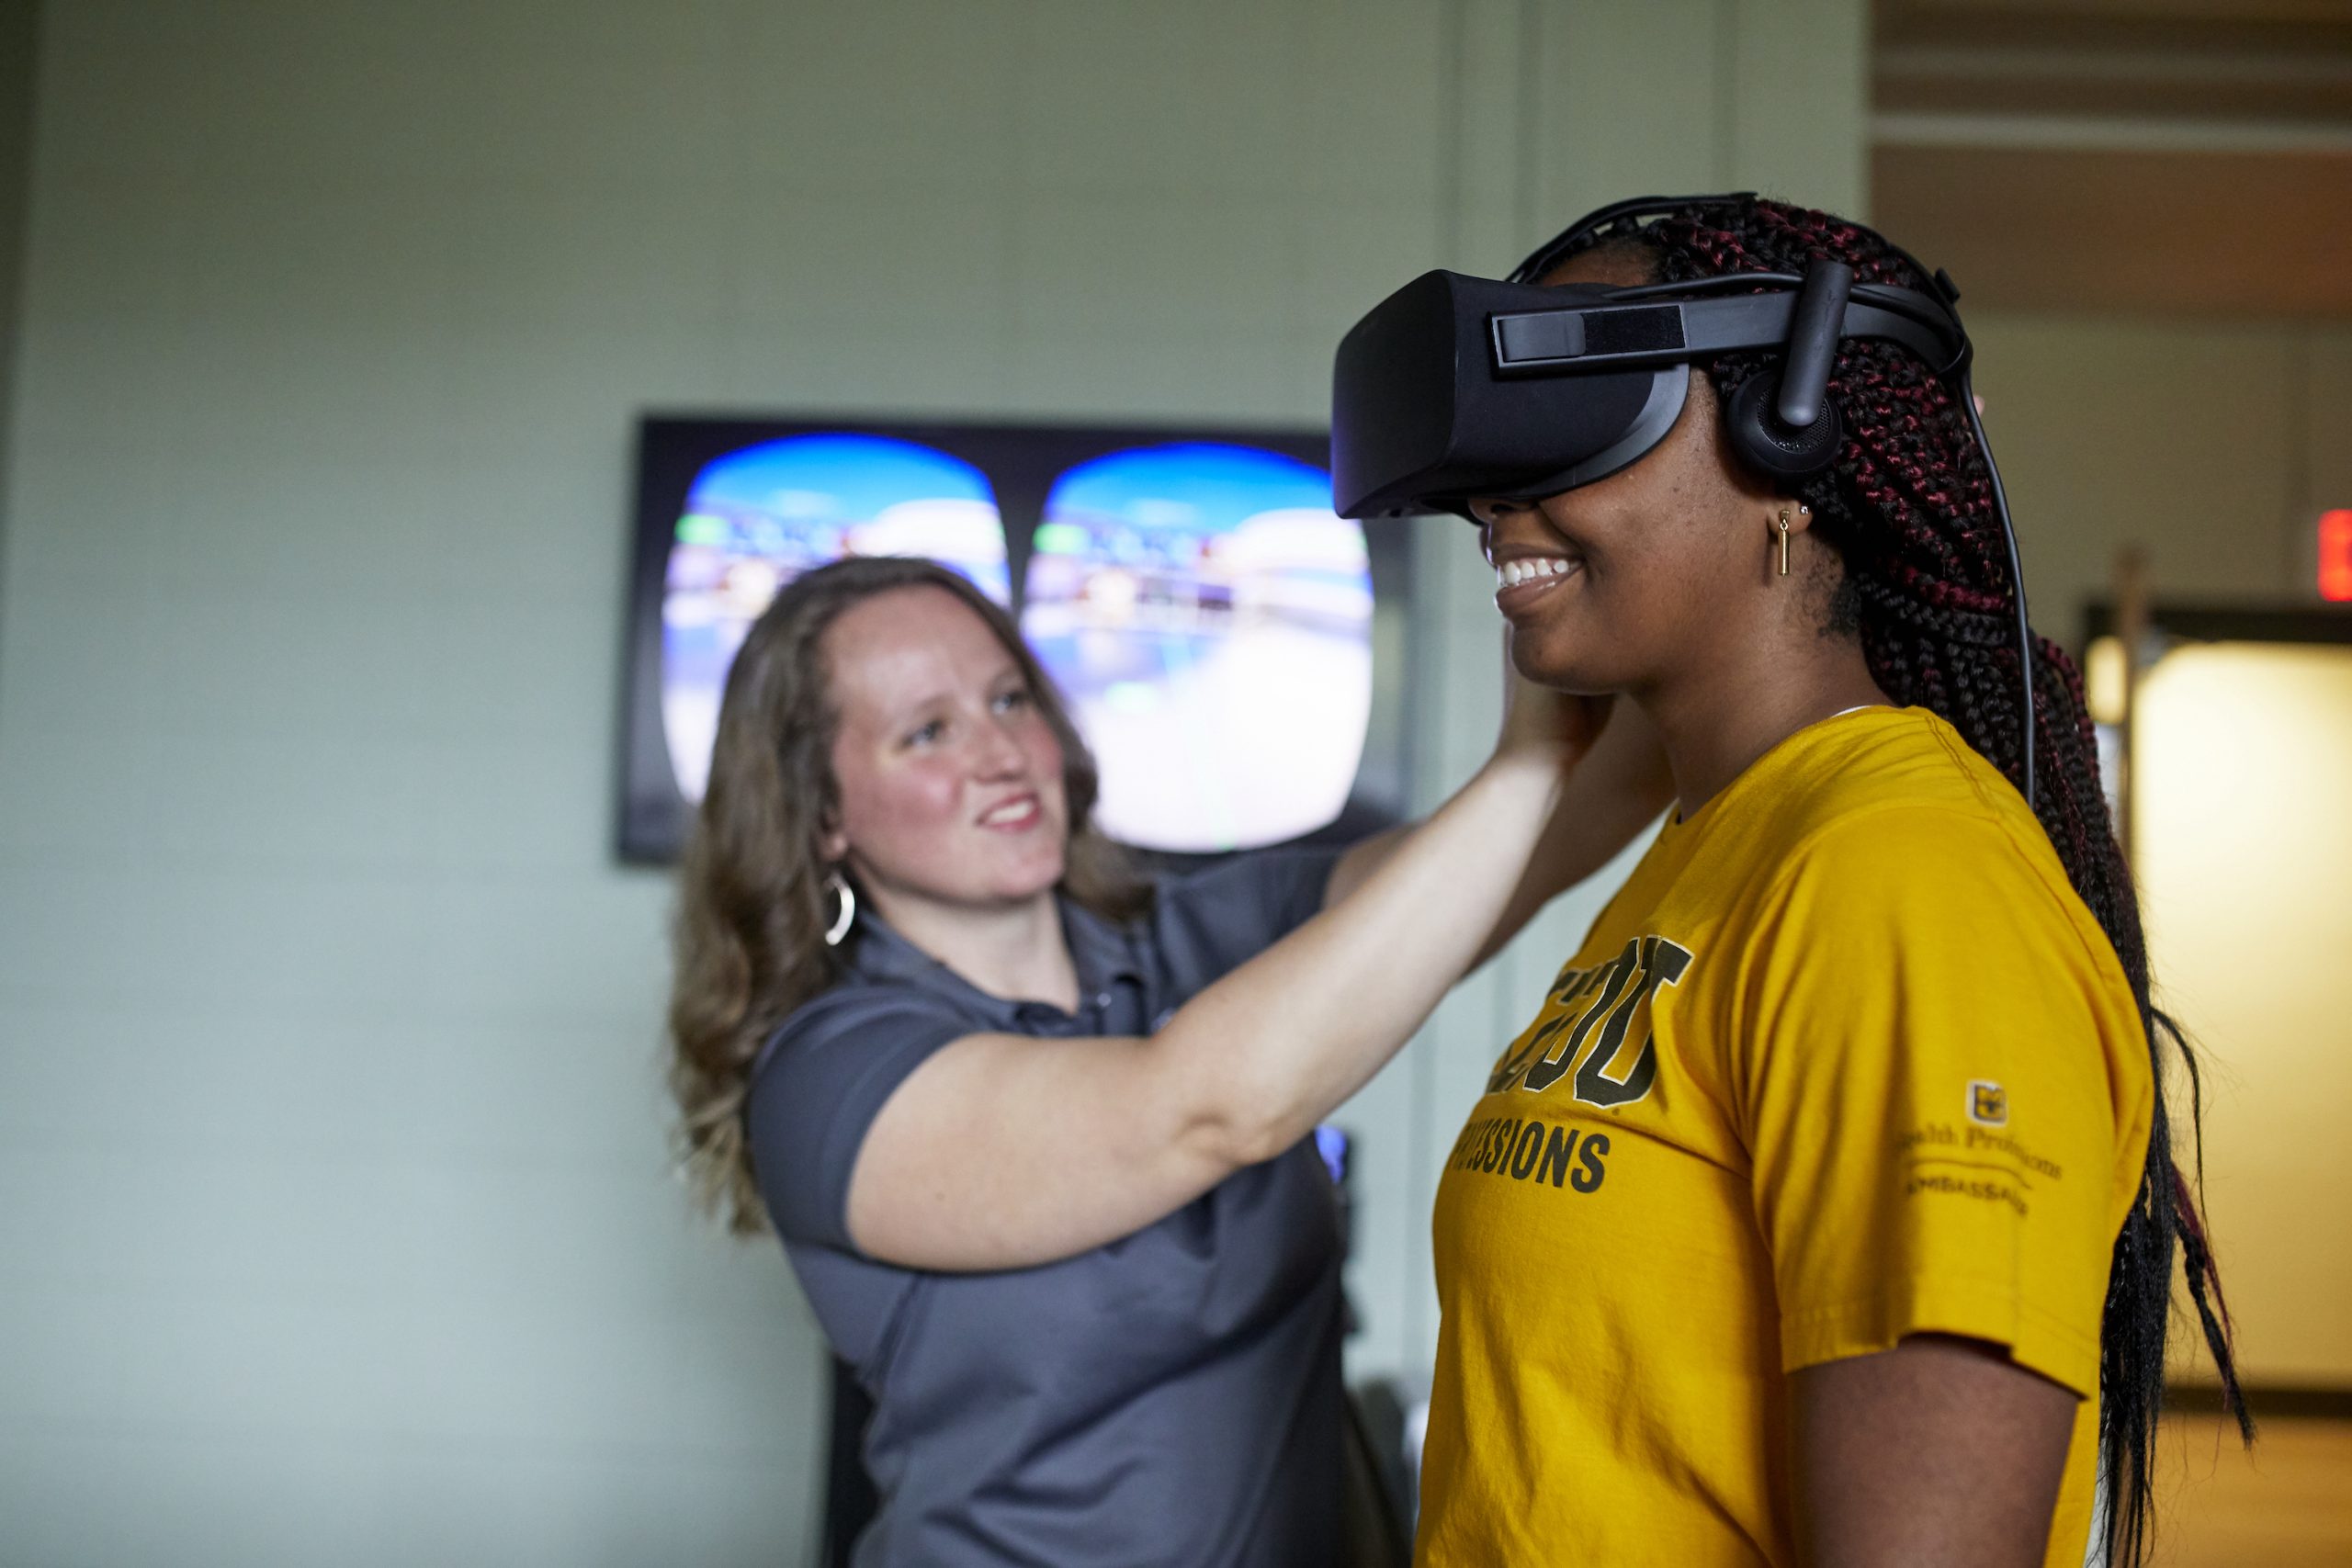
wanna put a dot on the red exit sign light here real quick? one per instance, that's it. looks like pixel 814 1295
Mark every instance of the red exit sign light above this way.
pixel 2336 555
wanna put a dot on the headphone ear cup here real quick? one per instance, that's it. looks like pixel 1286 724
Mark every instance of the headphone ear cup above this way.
pixel 1773 449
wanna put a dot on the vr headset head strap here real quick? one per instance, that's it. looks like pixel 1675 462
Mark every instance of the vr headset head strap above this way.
pixel 1556 249
pixel 1548 254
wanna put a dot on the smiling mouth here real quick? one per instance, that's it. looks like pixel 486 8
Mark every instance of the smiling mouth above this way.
pixel 1523 581
pixel 1022 811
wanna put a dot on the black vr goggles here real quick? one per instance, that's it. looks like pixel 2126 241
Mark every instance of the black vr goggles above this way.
pixel 1457 387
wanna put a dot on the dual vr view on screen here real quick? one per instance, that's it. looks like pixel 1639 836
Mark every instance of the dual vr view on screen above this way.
pixel 1208 616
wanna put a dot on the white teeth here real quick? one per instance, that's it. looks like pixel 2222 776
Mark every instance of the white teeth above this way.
pixel 1512 573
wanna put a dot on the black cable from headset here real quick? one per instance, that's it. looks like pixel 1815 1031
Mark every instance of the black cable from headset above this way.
pixel 2017 577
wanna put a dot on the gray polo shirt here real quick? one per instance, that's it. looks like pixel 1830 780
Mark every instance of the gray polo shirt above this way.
pixel 1173 1397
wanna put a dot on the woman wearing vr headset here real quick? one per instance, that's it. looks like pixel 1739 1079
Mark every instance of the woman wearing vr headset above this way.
pixel 1826 1213
pixel 1031 1131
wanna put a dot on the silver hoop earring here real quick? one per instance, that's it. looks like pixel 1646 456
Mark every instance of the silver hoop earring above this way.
pixel 837 885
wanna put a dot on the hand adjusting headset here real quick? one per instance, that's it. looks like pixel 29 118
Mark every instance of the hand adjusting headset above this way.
pixel 1456 387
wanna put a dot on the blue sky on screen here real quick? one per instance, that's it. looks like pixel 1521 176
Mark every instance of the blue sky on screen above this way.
pixel 838 479
pixel 1198 486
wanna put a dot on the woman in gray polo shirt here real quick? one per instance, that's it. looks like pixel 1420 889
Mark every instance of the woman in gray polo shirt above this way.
pixel 1031 1133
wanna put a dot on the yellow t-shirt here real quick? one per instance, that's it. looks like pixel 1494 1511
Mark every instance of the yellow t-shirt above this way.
pixel 1847 1059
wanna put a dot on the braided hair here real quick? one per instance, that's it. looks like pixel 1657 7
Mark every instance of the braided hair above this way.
pixel 1908 506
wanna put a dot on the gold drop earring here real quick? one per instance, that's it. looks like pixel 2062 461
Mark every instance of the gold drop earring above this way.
pixel 1782 523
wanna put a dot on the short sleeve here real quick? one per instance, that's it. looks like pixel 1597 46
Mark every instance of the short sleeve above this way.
pixel 823 1080
pixel 1943 1085
pixel 1212 921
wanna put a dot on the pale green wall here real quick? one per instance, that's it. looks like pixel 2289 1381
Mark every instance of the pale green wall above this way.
pixel 334 1218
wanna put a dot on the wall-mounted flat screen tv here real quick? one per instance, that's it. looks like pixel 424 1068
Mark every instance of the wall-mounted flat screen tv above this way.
pixel 1235 655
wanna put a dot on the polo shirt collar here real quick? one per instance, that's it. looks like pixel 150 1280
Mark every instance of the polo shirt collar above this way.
pixel 1103 953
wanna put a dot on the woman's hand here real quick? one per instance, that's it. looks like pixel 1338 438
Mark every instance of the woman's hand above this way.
pixel 1556 726
pixel 1617 784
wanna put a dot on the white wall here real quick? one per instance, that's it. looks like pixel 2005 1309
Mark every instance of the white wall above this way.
pixel 334 1217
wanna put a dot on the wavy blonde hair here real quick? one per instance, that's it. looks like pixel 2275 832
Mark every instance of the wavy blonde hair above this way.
pixel 749 935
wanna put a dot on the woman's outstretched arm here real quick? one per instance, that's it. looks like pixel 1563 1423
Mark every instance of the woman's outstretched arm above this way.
pixel 1004 1151
pixel 1616 790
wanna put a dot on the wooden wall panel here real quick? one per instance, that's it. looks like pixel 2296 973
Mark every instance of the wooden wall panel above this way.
pixel 2199 233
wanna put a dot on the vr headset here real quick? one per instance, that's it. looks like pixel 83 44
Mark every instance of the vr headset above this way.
pixel 1455 387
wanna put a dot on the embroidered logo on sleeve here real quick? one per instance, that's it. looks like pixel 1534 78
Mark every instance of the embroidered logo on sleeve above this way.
pixel 1977 1159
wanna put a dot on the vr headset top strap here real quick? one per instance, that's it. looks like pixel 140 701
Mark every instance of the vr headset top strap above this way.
pixel 1553 251
pixel 1558 247
pixel 1547 256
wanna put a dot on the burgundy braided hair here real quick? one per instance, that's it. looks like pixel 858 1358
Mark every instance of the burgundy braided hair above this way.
pixel 1909 506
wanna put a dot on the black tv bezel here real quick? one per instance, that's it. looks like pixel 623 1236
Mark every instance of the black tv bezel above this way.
pixel 1021 460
